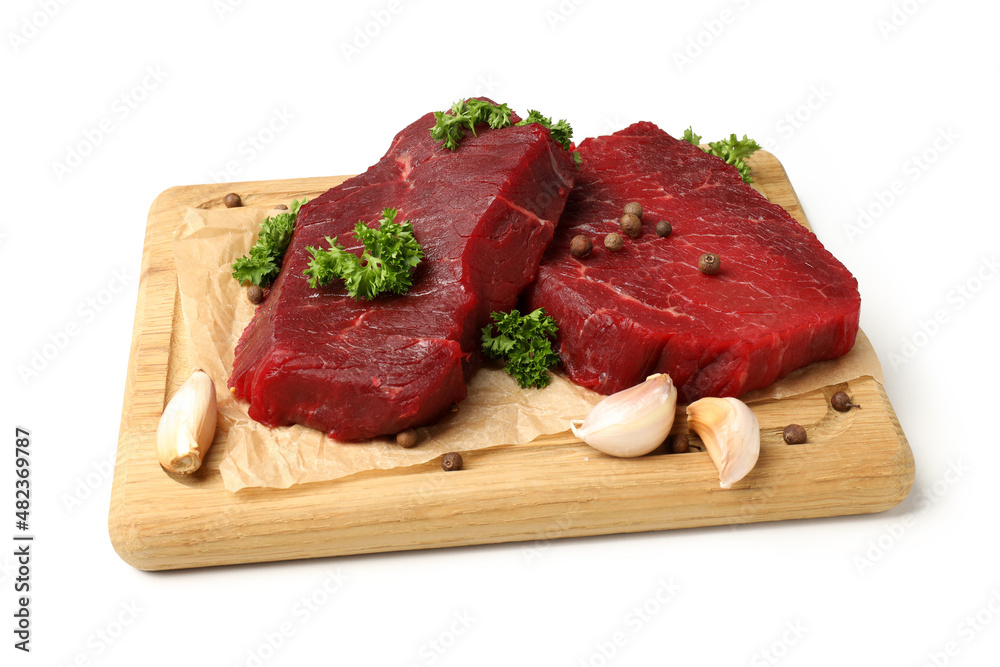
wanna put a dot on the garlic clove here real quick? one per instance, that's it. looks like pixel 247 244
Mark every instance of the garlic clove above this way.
pixel 187 425
pixel 731 434
pixel 632 422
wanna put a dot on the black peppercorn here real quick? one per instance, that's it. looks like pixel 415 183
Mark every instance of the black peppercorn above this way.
pixel 581 246
pixel 407 438
pixel 678 443
pixel 635 208
pixel 255 295
pixel 631 224
pixel 232 200
pixel 614 242
pixel 794 434
pixel 709 263
pixel 841 402
pixel 451 461
pixel 663 228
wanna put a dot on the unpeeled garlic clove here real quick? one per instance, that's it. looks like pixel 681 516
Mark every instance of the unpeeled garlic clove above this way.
pixel 187 425
pixel 731 434
pixel 633 422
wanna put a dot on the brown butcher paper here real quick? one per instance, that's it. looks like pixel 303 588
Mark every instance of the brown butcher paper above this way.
pixel 495 412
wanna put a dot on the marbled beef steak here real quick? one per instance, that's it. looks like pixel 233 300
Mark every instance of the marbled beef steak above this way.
pixel 780 301
pixel 484 215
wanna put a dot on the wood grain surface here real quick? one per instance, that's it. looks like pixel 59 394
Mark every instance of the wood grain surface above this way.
pixel 855 462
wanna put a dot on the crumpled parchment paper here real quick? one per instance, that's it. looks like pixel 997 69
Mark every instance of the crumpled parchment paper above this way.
pixel 496 411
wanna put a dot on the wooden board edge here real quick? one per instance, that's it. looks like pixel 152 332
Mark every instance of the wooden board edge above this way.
pixel 879 478
pixel 120 541
pixel 763 162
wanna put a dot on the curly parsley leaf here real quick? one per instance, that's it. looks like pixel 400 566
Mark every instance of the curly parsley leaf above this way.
pixel 262 264
pixel 691 137
pixel 561 132
pixel 391 251
pixel 732 151
pixel 525 343
pixel 735 152
pixel 465 115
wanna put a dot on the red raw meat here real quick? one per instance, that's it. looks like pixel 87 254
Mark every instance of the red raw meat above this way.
pixel 484 215
pixel 780 301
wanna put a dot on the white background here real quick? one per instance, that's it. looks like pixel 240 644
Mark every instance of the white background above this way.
pixel 846 94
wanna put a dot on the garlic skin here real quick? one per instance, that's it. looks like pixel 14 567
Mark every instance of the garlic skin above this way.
pixel 187 425
pixel 633 422
pixel 731 434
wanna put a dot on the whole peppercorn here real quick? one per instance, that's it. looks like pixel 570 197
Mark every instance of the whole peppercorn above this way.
pixel 794 434
pixel 255 294
pixel 841 402
pixel 664 228
pixel 232 200
pixel 709 263
pixel 407 438
pixel 451 461
pixel 280 207
pixel 635 208
pixel 581 246
pixel 631 224
pixel 678 443
pixel 614 242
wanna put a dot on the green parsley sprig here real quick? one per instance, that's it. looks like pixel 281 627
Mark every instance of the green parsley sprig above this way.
pixel 465 115
pixel 525 343
pixel 733 151
pixel 262 264
pixel 391 251
pixel 691 137
pixel 561 132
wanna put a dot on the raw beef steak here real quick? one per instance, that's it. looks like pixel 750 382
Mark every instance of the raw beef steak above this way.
pixel 484 215
pixel 779 302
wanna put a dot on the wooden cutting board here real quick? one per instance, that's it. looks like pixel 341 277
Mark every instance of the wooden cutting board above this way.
pixel 855 462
